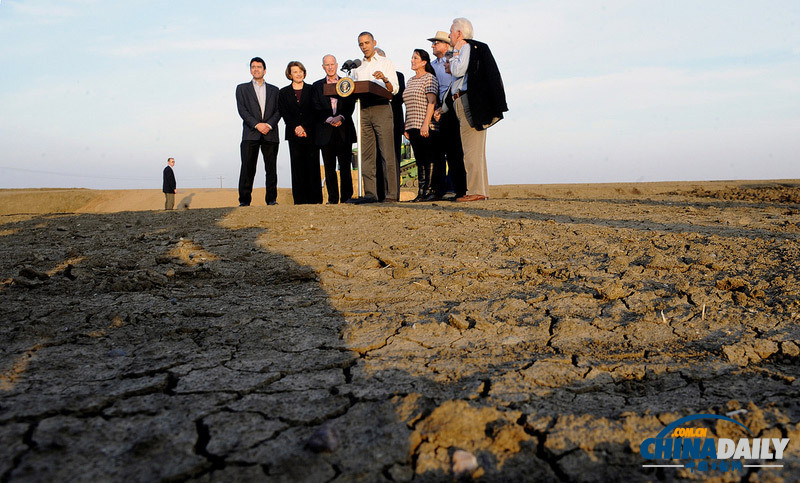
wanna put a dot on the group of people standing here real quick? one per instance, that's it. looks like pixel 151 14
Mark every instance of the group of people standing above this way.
pixel 450 101
pixel 314 123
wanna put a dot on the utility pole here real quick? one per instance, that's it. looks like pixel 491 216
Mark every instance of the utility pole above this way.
pixel 220 182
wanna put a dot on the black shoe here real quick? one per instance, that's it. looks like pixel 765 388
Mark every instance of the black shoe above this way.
pixel 272 203
pixel 244 204
pixel 363 201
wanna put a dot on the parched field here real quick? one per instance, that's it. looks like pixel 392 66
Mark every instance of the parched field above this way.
pixel 547 332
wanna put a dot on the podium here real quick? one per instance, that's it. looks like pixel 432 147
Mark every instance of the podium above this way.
pixel 347 87
pixel 359 88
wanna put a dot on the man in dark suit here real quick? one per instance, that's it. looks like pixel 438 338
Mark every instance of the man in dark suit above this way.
pixel 257 102
pixel 335 133
pixel 169 187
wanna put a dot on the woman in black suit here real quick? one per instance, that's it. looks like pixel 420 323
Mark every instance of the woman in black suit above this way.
pixel 295 103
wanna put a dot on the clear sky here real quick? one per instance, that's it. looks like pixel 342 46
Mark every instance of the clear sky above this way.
pixel 98 94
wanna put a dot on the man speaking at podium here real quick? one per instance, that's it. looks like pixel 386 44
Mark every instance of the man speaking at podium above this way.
pixel 376 122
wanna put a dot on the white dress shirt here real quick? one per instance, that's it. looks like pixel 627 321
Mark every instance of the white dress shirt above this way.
pixel 378 63
pixel 261 94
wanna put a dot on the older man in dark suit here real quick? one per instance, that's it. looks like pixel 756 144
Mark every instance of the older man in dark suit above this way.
pixel 335 133
pixel 257 102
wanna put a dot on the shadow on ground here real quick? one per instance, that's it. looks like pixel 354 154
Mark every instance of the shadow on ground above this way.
pixel 199 345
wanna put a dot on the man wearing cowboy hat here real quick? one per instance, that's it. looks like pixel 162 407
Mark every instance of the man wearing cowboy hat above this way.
pixel 440 44
pixel 449 143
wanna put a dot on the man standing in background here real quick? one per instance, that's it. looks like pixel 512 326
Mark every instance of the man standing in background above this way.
pixel 169 187
pixel 257 103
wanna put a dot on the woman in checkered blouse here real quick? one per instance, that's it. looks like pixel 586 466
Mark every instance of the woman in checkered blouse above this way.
pixel 420 100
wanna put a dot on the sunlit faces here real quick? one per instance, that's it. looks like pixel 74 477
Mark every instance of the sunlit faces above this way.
pixel 455 35
pixel 330 65
pixel 417 62
pixel 367 45
pixel 297 74
pixel 439 48
pixel 257 70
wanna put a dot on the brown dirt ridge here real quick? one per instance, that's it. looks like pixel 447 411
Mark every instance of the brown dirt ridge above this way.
pixel 540 335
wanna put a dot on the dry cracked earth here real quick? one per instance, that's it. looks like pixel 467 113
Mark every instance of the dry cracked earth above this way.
pixel 545 336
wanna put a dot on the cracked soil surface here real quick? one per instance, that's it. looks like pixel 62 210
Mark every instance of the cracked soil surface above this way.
pixel 548 333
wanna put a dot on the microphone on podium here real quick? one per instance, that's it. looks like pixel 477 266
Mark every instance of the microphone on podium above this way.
pixel 349 65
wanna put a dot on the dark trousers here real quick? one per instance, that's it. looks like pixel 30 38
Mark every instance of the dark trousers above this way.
pixel 306 180
pixel 338 148
pixel 450 148
pixel 430 163
pixel 247 173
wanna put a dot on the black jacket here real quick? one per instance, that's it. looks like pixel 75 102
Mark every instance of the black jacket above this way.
pixel 169 185
pixel 297 113
pixel 486 94
pixel 397 107
pixel 322 106
pixel 250 112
